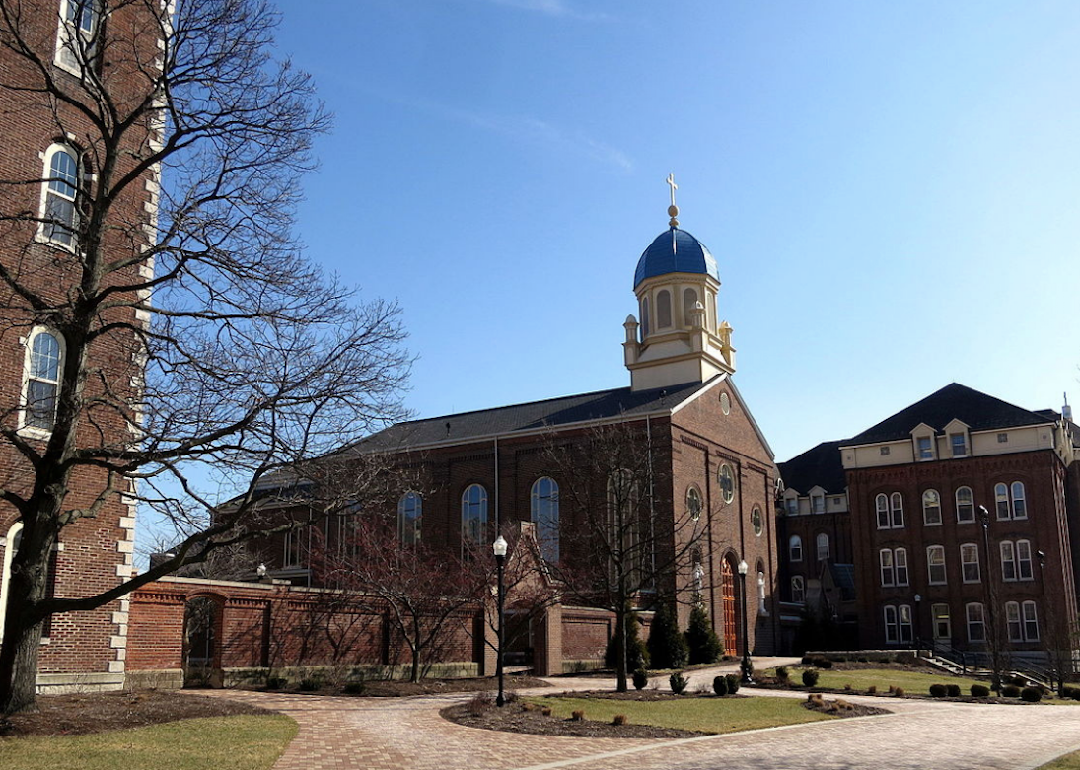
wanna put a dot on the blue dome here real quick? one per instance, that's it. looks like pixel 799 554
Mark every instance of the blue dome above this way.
pixel 675 251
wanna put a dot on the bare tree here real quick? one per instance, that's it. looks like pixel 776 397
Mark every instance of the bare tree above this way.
pixel 429 595
pixel 195 335
pixel 633 546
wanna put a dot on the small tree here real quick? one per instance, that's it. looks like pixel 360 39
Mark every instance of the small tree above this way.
pixel 667 647
pixel 702 642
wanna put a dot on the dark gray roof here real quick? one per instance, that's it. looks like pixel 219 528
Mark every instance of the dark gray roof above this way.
pixel 531 416
pixel 977 410
pixel 818 467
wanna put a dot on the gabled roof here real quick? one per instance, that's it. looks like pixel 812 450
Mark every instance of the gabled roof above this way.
pixel 532 416
pixel 818 467
pixel 978 410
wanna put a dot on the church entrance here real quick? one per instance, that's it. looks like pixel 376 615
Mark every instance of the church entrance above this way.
pixel 727 595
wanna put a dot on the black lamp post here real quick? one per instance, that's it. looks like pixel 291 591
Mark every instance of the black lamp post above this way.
pixel 499 549
pixel 747 664
pixel 918 639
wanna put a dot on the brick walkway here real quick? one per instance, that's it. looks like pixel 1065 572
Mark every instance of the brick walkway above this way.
pixel 382 733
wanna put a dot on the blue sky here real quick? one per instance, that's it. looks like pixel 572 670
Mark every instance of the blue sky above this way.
pixel 890 190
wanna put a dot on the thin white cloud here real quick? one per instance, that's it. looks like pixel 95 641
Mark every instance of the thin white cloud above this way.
pixel 529 130
pixel 552 8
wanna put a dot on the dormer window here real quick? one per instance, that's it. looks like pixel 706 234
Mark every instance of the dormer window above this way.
pixel 817 503
pixel 924 448
pixel 791 505
pixel 958 441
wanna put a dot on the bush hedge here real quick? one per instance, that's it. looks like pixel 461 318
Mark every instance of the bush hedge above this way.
pixel 719 685
pixel 980 691
pixel 810 677
pixel 938 690
pixel 953 690
pixel 1031 694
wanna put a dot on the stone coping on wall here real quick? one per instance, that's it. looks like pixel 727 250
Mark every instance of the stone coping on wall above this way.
pixel 65 683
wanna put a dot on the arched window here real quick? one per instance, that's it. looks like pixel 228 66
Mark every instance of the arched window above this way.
pixel 663 309
pixel 474 516
pixel 822 546
pixel 795 548
pixel 644 317
pixel 1008 560
pixel 888 569
pixel 42 387
pixel 965 505
pixel 410 511
pixel 1023 560
pixel 935 565
pixel 545 514
pixel 901 567
pixel 755 521
pixel 625 517
pixel 1001 500
pixel 882 502
pixel 1031 622
pixel 726 478
pixel 693 503
pixel 897 501
pixel 931 507
pixel 1019 502
pixel 12 540
pixel 62 177
pixel 798 590
pixel 689 299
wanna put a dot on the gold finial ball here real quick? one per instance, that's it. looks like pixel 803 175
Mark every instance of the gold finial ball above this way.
pixel 673 211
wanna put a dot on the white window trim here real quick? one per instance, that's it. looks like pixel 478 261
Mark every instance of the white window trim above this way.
pixel 1024 620
pixel 65 30
pixel 46 176
pixel 791 550
pixel 32 431
pixel 940 518
pixel 1008 547
pixel 956 503
pixel 944 566
pixel 483 516
pixel 5 572
pixel 981 622
pixel 978 567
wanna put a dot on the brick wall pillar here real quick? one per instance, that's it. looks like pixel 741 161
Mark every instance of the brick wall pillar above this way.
pixel 548 650
pixel 489 649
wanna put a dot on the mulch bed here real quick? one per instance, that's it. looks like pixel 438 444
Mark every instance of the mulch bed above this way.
pixel 832 708
pixel 514 718
pixel 101 712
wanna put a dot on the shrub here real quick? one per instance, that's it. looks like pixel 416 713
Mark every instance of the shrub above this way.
pixel 1031 694
pixel 807 660
pixel 938 690
pixel 578 716
pixel 732 684
pixel 847 686
pixel 1010 691
pixel 1070 692
pixel 719 685
pixel 954 690
pixel 619 720
pixel 667 647
pixel 892 689
pixel 1018 680
pixel 810 677
pixel 678 682
pixel 843 705
pixel 481 702
pixel 545 711
pixel 276 683
pixel 637 654
pixel 641 678
pixel 354 688
pixel 702 643
pixel 871 690
pixel 310 684
pixel 782 674
pixel 980 691
pixel 899 692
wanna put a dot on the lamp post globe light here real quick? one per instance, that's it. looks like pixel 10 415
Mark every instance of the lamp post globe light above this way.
pixel 747 664
pixel 499 549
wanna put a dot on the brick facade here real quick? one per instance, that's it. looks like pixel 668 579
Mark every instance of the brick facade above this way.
pixel 93 554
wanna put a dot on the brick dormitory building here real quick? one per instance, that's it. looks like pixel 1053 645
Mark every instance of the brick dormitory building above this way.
pixel 883 540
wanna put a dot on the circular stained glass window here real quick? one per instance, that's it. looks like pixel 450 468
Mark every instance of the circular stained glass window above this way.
pixel 693 504
pixel 727 482
pixel 755 519
pixel 725 403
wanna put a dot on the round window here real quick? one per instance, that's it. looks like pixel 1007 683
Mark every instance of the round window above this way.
pixel 725 403
pixel 755 519
pixel 727 482
pixel 693 504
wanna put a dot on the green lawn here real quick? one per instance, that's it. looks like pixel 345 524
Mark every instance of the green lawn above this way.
pixel 703 715
pixel 236 743
pixel 913 682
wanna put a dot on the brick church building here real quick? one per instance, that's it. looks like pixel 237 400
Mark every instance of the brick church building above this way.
pixel 952 519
